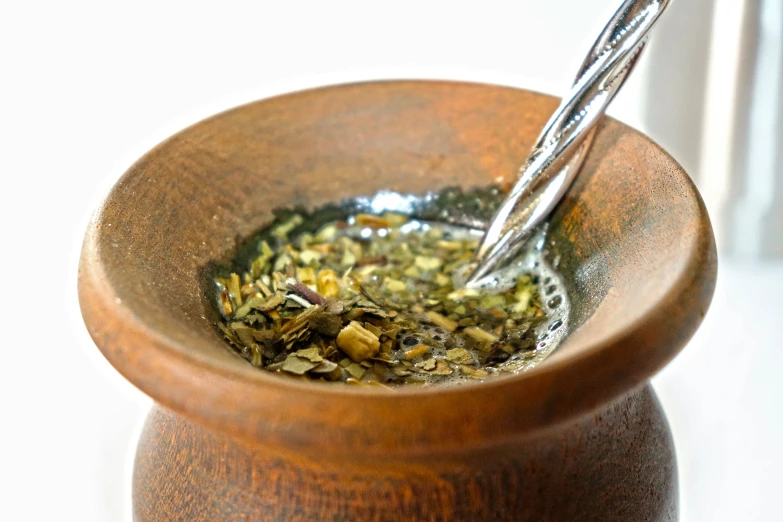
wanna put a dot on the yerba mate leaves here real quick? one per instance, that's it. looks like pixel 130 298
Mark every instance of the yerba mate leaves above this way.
pixel 372 300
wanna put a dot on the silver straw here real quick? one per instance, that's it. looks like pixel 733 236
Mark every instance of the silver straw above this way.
pixel 558 154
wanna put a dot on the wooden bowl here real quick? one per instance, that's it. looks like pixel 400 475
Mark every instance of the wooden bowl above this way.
pixel 580 437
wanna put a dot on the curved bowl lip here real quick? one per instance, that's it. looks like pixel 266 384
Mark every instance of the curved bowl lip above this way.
pixel 569 373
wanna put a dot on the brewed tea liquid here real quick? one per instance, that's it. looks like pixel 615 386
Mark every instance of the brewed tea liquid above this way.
pixel 377 297
pixel 530 262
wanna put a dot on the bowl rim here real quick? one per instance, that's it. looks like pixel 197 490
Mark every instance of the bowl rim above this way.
pixel 202 390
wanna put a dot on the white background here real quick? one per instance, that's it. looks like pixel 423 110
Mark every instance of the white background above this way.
pixel 88 87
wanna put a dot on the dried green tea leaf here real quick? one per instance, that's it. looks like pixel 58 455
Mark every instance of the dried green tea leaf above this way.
pixel 473 373
pixel 298 322
pixel 337 307
pixel 263 305
pixel 374 294
pixel 325 367
pixel 348 259
pixel 412 272
pixel 441 368
pixel 312 354
pixel 282 230
pixel 265 250
pixel 264 336
pixel 355 370
pixel 327 370
pixel 377 332
pixel 246 308
pixel 230 335
pixel 255 318
pixel 427 365
pixel 297 365
pixel 442 280
pixel 427 263
pixel 395 285
pixel 244 333
pixel 377 312
pixel 391 330
pixel 467 321
pixel 459 356
pixel 309 258
pixel 386 348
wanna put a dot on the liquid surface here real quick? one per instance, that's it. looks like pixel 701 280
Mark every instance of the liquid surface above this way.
pixel 377 299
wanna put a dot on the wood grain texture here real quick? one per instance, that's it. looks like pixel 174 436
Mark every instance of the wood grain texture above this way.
pixel 632 238
pixel 615 465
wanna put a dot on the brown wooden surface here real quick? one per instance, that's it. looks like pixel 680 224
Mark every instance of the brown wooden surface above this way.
pixel 617 465
pixel 633 239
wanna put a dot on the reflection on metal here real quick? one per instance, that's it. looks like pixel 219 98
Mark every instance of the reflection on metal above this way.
pixel 561 147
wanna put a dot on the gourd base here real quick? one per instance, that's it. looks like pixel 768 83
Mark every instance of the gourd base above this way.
pixel 616 463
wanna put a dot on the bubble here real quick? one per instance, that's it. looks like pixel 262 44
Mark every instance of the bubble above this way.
pixel 450 209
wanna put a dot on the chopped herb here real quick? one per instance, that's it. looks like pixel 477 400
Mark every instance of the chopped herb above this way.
pixel 459 356
pixel 297 365
pixel 427 365
pixel 357 342
pixel 371 300
pixel 443 322
pixel 416 352
pixel 355 370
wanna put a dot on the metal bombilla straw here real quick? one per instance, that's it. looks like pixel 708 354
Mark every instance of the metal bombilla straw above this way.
pixel 563 144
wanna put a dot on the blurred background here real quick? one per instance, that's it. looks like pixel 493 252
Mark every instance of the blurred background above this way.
pixel 87 87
